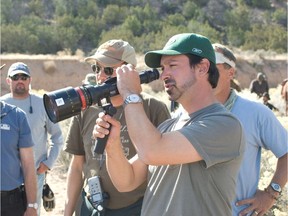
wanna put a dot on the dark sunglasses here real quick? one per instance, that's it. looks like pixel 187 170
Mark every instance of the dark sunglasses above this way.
pixel 17 77
pixel 107 70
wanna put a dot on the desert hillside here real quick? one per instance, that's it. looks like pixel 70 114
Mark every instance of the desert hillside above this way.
pixel 51 72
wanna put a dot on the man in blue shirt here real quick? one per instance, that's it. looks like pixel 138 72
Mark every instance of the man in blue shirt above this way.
pixel 17 163
pixel 46 135
pixel 262 130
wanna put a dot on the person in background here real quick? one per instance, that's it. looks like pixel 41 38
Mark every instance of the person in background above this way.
pixel 259 85
pixel 266 98
pixel 262 130
pixel 46 135
pixel 80 143
pixel 90 79
pixel 17 164
pixel 191 162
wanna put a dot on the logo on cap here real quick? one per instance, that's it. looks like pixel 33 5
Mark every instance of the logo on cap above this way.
pixel 195 50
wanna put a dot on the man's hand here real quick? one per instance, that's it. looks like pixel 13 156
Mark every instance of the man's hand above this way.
pixel 101 128
pixel 128 81
pixel 259 204
pixel 42 168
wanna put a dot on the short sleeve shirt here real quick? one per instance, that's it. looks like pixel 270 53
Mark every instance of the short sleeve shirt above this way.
pixel 205 187
pixel 80 142
pixel 15 134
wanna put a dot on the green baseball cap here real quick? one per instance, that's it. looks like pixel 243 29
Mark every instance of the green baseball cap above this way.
pixel 185 43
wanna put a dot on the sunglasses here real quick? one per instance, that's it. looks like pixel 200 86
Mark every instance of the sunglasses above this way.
pixel 107 70
pixel 17 77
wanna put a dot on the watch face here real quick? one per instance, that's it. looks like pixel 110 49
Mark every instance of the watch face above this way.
pixel 134 98
pixel 33 205
pixel 276 187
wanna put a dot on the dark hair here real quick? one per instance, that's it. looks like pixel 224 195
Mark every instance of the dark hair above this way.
pixel 225 51
pixel 213 71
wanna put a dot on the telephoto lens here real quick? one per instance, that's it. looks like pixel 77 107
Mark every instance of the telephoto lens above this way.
pixel 67 102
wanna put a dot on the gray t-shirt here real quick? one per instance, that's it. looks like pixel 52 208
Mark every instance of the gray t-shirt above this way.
pixel 206 187
pixel 79 141
pixel 47 136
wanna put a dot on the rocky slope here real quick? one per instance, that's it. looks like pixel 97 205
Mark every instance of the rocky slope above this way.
pixel 55 72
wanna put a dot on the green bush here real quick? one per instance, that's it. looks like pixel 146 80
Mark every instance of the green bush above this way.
pixel 35 26
pixel 280 17
pixel 266 38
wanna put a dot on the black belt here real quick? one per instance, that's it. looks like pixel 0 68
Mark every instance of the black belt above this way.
pixel 5 193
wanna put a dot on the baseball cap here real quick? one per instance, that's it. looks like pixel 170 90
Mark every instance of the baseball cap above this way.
pixel 185 43
pixel 224 55
pixel 17 68
pixel 114 52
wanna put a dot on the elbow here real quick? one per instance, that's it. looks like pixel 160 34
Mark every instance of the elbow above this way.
pixel 149 157
pixel 124 188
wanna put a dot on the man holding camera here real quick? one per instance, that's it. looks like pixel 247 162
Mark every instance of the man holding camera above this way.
pixel 80 143
pixel 191 162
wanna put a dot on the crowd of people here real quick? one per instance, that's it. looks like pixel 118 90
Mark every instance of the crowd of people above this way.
pixel 195 161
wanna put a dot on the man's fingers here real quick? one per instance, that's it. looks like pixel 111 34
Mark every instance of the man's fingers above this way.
pixel 244 202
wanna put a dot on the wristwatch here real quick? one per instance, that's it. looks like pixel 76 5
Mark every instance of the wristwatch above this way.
pixel 133 98
pixel 276 187
pixel 32 205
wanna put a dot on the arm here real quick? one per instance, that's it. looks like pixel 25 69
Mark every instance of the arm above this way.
pixel 74 183
pixel 160 148
pixel 27 161
pixel 281 174
pixel 125 175
pixel 55 146
pixel 263 201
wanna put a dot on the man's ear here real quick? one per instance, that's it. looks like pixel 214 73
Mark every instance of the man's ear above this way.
pixel 204 66
pixel 8 81
pixel 231 73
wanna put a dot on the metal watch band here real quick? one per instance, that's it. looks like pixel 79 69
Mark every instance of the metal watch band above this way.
pixel 133 99
pixel 33 205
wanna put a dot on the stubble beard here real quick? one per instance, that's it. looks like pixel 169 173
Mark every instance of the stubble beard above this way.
pixel 20 91
pixel 176 92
